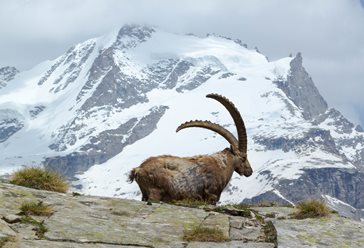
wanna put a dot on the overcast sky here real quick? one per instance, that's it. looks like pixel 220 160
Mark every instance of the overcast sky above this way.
pixel 329 33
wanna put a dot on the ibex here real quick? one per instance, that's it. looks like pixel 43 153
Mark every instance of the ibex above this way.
pixel 204 177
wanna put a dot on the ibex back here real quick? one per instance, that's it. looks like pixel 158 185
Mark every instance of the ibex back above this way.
pixel 203 177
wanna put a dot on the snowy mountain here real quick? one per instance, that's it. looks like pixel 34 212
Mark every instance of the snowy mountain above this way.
pixel 110 102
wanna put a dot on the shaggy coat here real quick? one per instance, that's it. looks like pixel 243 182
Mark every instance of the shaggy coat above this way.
pixel 167 178
pixel 204 177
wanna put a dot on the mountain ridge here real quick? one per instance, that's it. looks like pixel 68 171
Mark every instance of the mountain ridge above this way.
pixel 110 102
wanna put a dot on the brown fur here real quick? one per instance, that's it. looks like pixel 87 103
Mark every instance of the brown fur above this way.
pixel 167 178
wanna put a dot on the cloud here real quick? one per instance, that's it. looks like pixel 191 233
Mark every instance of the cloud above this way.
pixel 329 33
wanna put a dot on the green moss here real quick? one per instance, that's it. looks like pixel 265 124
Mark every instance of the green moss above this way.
pixel 270 233
pixel 233 211
pixel 270 215
pixel 121 213
pixel 240 206
pixel 330 234
pixel 98 235
pixel 23 193
pixel 308 238
pixel 258 217
pixel 4 240
pixel 190 203
pixel 38 178
pixel 204 234
pixel 40 228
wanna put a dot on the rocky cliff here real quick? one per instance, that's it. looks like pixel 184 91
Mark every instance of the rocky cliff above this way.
pixel 86 221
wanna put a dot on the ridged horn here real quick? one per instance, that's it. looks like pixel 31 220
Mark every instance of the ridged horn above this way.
pixel 235 114
pixel 213 127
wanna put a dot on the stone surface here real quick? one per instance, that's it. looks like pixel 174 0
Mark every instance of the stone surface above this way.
pixel 245 233
pixel 300 88
pixel 232 244
pixel 332 231
pixel 11 218
pixel 5 230
pixel 55 244
pixel 85 221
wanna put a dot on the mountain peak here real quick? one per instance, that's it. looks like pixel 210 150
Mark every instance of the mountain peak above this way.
pixel 137 33
pixel 136 30
pixel 296 62
pixel 111 102
pixel 301 89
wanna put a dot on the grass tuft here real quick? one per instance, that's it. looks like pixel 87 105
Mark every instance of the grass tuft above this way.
pixel 204 234
pixel 35 208
pixel 38 178
pixel 311 209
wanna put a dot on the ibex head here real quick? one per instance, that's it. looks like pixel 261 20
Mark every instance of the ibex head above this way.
pixel 238 147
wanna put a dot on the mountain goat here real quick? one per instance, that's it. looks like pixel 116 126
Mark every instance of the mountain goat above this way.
pixel 203 177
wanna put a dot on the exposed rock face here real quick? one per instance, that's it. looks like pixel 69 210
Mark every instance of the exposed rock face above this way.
pixel 333 231
pixel 346 185
pixel 10 122
pixel 314 137
pixel 342 139
pixel 110 88
pixel 300 88
pixel 342 184
pixel 105 145
pixel 83 221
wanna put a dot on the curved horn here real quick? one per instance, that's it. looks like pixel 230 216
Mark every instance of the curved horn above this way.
pixel 235 114
pixel 213 127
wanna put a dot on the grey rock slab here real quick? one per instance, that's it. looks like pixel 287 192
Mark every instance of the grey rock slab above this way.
pixel 333 231
pixel 27 230
pixel 5 230
pixel 245 233
pixel 236 222
pixel 86 221
pixel 219 221
pixel 122 221
pixel 65 244
pixel 232 244
pixel 11 218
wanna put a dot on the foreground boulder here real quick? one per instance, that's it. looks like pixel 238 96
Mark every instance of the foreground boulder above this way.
pixel 85 221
